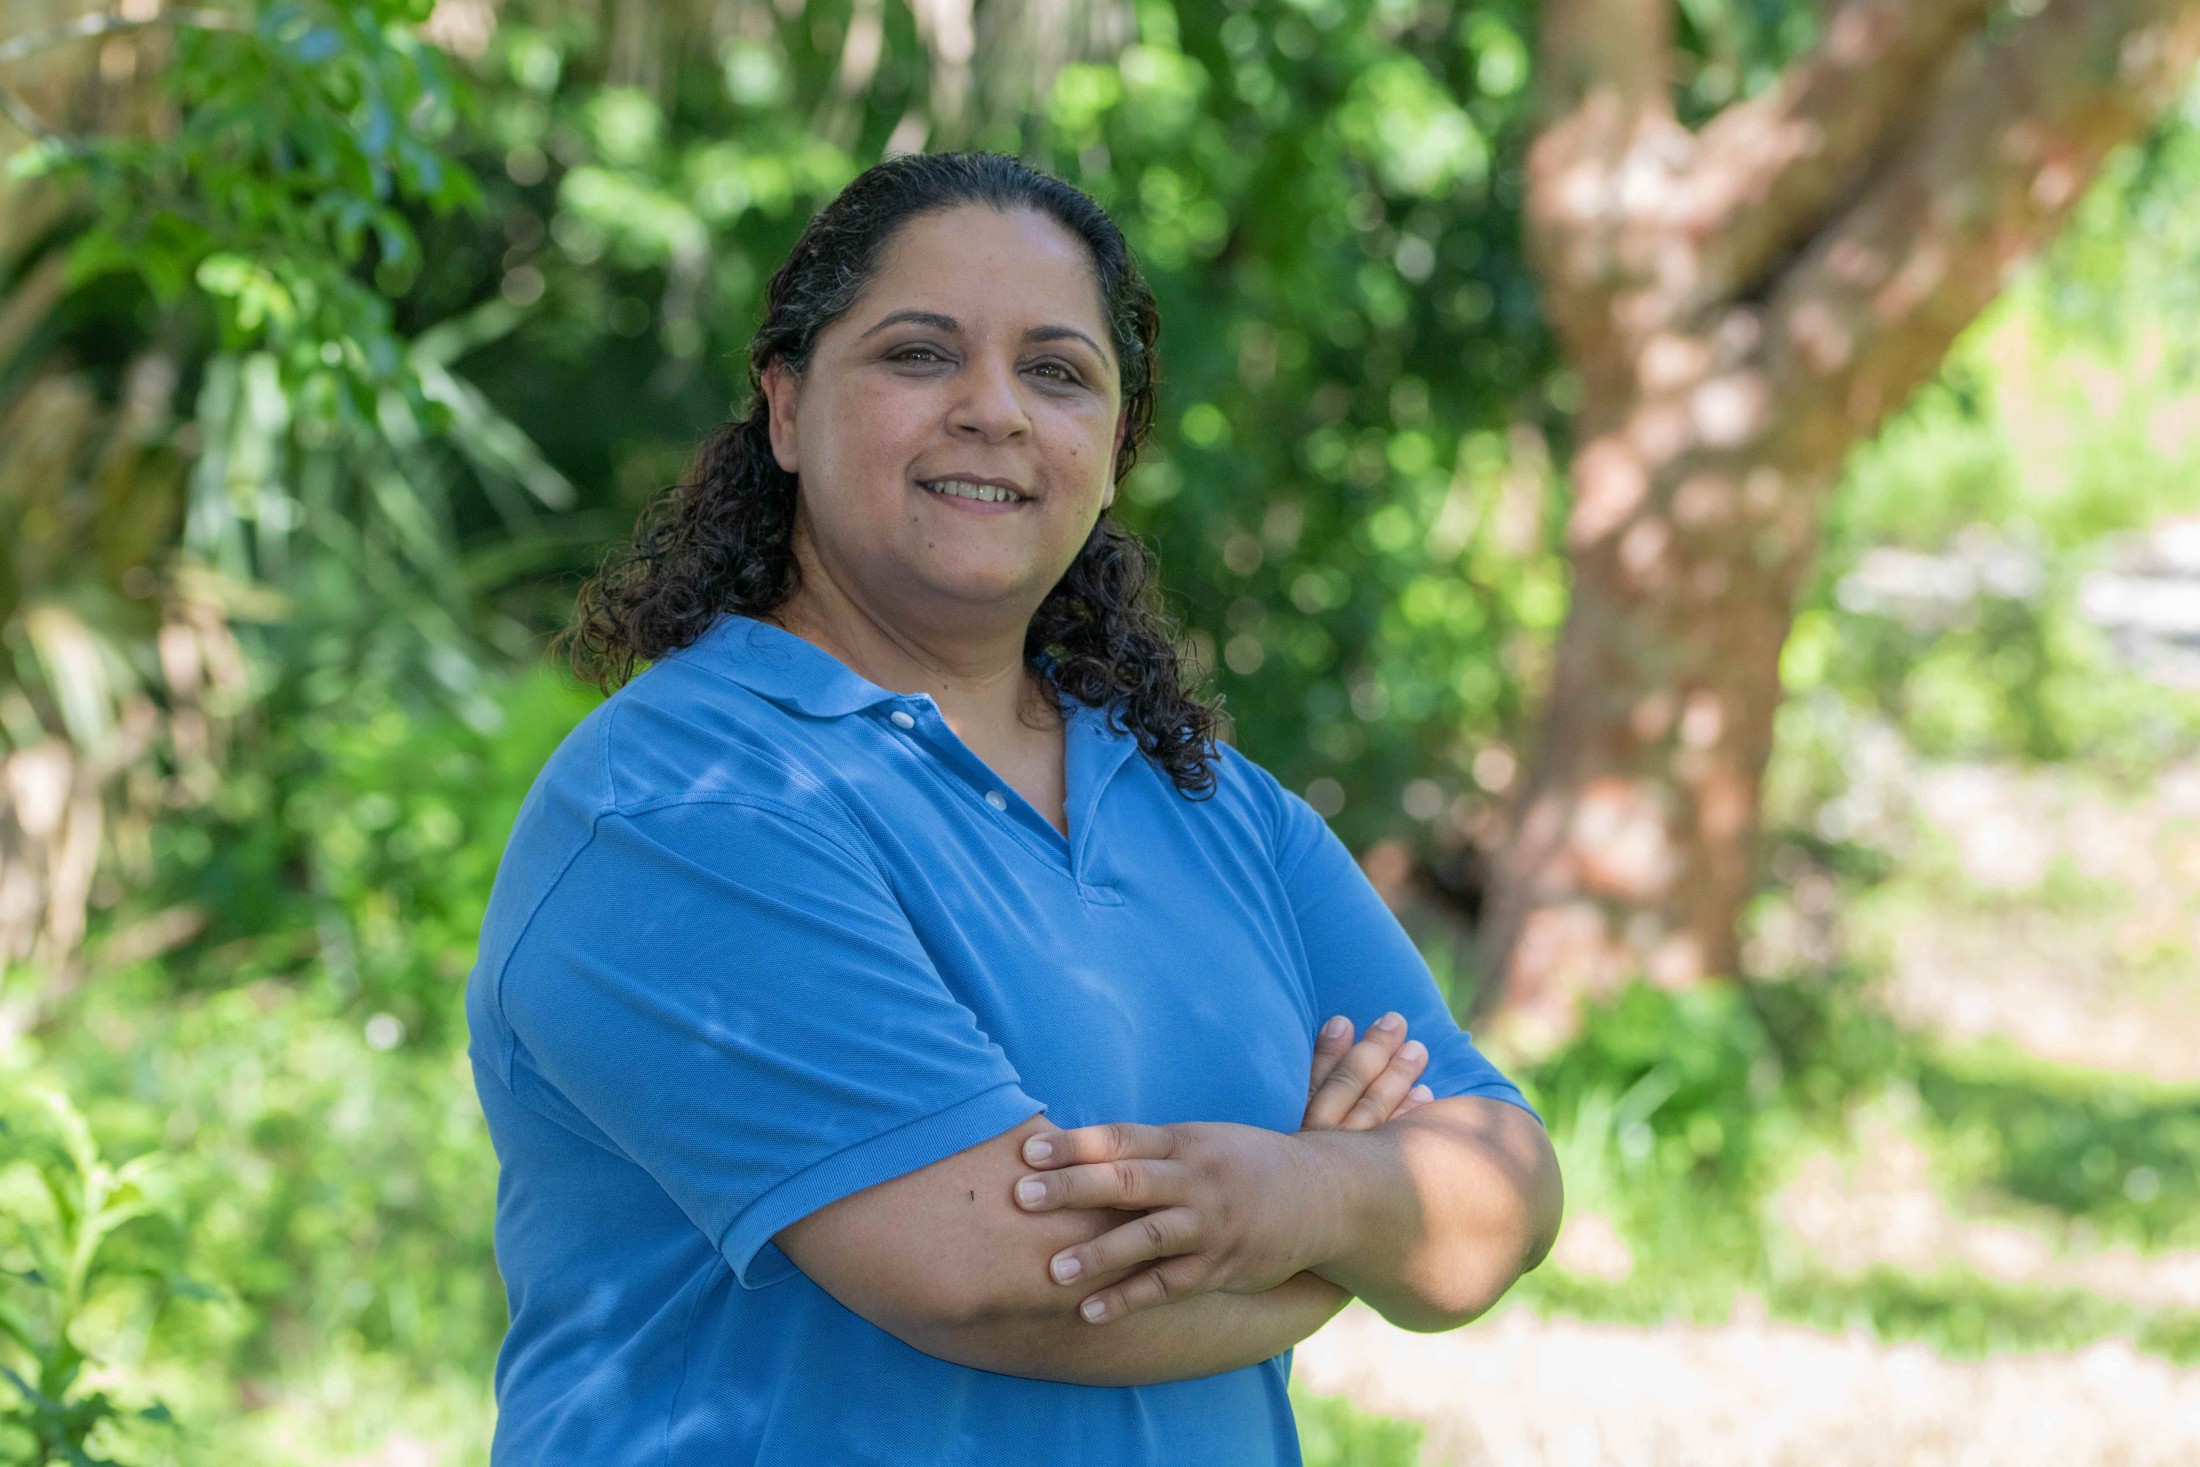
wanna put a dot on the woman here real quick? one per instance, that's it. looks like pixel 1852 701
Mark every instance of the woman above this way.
pixel 895 1007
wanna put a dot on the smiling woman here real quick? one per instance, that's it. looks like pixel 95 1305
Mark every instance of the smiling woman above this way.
pixel 955 389
pixel 900 1020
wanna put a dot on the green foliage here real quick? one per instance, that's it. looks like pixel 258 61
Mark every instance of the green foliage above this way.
pixel 1735 48
pixel 1966 1316
pixel 1349 485
pixel 207 254
pixel 1356 376
pixel 64 1258
pixel 309 1043
pixel 2120 1153
pixel 1677 1115
pixel 1995 464
pixel 300 1064
pixel 303 136
pixel 1332 1433
pixel 357 851
pixel 340 1185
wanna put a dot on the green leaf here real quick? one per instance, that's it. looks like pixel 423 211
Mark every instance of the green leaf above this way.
pixel 40 158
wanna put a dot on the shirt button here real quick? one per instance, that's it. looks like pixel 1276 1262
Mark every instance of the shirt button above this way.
pixel 901 719
pixel 996 799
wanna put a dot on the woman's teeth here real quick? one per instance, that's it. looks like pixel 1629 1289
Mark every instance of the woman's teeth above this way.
pixel 989 493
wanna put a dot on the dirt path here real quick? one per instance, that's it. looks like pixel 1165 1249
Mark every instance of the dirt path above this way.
pixel 1517 1391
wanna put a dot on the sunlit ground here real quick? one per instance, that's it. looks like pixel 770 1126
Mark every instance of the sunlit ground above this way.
pixel 1990 1254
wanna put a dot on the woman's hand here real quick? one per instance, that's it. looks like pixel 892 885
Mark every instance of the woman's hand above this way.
pixel 1225 1207
pixel 1219 1205
pixel 1357 1087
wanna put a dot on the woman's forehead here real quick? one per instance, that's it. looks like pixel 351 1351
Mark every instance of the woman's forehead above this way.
pixel 984 268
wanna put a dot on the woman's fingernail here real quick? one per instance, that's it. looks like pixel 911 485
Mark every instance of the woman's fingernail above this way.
pixel 1412 1049
pixel 1066 1268
pixel 1092 1309
pixel 1031 1191
pixel 1390 1021
pixel 1335 1028
pixel 1038 1149
pixel 1422 1092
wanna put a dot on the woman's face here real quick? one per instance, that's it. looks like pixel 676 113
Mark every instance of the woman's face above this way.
pixel 978 352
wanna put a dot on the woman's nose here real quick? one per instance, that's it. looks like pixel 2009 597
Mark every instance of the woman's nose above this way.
pixel 989 406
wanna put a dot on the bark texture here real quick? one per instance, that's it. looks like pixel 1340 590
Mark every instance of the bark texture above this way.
pixel 1744 302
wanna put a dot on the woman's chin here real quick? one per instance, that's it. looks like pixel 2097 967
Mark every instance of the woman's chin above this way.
pixel 1008 587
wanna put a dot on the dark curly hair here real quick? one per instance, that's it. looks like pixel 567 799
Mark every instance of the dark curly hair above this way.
pixel 722 539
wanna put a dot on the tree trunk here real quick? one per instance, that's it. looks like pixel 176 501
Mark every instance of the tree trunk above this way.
pixel 1743 304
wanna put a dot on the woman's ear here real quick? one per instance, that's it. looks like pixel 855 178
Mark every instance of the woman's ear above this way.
pixel 782 388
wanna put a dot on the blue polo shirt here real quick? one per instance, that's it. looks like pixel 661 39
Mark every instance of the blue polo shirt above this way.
pixel 766 934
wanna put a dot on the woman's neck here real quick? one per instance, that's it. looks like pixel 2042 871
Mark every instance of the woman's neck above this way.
pixel 980 681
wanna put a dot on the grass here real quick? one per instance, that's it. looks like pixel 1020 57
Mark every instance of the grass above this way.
pixel 1334 1433
pixel 2120 1154
pixel 1965 1316
pixel 1679 1117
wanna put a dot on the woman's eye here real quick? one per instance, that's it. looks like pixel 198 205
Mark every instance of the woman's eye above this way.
pixel 925 356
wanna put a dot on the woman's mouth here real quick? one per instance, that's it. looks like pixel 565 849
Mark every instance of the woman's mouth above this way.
pixel 973 498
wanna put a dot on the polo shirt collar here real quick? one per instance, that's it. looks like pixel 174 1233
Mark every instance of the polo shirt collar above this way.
pixel 797 673
pixel 792 672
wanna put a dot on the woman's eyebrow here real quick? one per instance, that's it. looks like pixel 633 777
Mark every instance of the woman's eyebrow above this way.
pixel 953 327
pixel 1064 333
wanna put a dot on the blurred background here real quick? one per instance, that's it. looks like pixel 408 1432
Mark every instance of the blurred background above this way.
pixel 1701 493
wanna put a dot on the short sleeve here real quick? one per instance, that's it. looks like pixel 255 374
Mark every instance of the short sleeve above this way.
pixel 1362 961
pixel 730 993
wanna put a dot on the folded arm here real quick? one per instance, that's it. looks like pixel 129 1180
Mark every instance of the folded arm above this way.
pixel 1429 1217
pixel 944 1260
pixel 1434 1216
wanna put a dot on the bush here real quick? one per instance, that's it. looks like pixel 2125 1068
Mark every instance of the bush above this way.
pixel 93 1254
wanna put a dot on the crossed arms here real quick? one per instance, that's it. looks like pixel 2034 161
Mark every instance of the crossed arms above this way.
pixel 1131 1255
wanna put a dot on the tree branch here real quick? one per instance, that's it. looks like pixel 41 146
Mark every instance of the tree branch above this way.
pixel 26 122
pixel 1606 48
pixel 1769 170
pixel 2003 150
pixel 1607 96
pixel 84 27
pixel 99 25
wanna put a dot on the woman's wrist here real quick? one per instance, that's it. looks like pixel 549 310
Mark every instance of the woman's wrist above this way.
pixel 1366 1236
pixel 1203 1334
pixel 1336 1198
pixel 1432 1218
pixel 1319 1290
